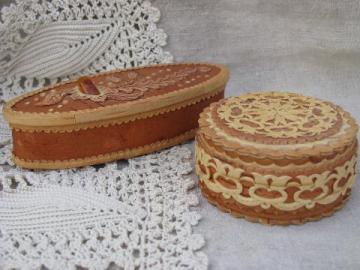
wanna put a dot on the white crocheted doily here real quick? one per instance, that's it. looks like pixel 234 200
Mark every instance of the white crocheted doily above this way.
pixel 132 214
pixel 46 41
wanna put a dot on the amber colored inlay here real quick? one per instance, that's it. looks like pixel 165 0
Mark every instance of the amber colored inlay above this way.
pixel 86 86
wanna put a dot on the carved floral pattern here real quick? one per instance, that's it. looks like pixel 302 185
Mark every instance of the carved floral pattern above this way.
pixel 278 115
pixel 270 190
pixel 122 86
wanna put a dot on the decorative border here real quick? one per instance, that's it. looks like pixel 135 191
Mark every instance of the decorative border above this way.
pixel 213 171
pixel 123 154
pixel 270 222
pixel 292 167
pixel 18 119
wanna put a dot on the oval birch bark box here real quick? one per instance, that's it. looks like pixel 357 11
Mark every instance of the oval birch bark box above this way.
pixel 113 115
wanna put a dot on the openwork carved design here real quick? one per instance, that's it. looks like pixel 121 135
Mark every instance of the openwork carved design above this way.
pixel 254 189
pixel 279 116
pixel 122 86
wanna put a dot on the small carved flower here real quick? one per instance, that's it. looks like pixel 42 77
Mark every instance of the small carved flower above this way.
pixel 204 69
pixel 132 75
pixel 113 79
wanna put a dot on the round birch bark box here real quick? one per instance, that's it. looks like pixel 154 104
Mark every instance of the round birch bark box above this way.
pixel 276 157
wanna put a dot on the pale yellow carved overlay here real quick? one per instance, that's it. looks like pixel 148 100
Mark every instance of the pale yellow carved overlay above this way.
pixel 278 115
pixel 278 183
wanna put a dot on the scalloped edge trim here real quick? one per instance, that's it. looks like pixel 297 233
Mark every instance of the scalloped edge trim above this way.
pixel 98 159
pixel 19 119
pixel 274 221
pixel 106 123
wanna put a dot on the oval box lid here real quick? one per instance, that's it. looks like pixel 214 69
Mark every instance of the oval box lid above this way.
pixel 113 95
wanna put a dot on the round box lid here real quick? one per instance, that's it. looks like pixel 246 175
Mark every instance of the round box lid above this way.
pixel 277 125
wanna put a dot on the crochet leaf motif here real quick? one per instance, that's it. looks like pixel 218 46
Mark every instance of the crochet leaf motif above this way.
pixel 45 42
pixel 132 86
pixel 73 48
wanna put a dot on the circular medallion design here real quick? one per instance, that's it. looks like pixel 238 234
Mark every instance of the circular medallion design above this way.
pixel 276 117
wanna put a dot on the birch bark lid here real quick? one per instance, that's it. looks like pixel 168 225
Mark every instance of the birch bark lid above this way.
pixel 117 94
